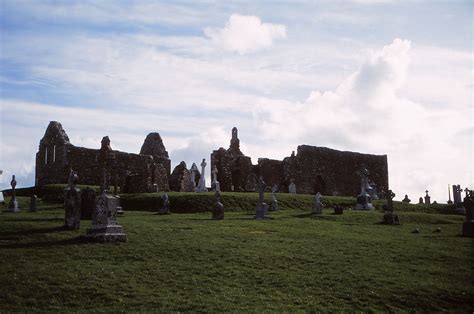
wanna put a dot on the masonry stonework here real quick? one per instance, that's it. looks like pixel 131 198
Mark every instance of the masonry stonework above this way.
pixel 133 172
pixel 313 169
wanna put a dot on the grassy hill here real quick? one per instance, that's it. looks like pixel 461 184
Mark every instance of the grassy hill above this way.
pixel 187 262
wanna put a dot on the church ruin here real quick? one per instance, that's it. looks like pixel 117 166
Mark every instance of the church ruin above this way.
pixel 313 169
pixel 144 172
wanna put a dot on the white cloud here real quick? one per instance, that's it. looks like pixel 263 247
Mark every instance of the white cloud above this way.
pixel 245 34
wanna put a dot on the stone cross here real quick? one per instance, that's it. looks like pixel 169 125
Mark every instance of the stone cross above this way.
pixel 202 180
pixel 72 179
pixel 274 203
pixel 13 185
pixel 389 197
pixel 427 198
pixel 364 181
pixel 317 205
pixel 193 170
pixel 106 158
pixel 466 190
pixel 214 174
pixel 261 188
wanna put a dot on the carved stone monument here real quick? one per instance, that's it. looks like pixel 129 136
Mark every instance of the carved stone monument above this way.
pixel 13 204
pixel 364 201
pixel 390 217
pixel 274 202
pixel 262 208
pixel 194 175
pixel 457 197
pixel 105 227
pixel 88 197
pixel 165 208
pixel 202 181
pixel 420 200
pixel 292 187
pixel 33 203
pixel 215 186
pixel 317 205
pixel 218 210
pixel 406 199
pixel 72 203
pixel 427 198
pixel 449 196
pixel 468 225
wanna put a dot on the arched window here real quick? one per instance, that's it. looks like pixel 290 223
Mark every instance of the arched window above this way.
pixel 46 155
pixel 54 153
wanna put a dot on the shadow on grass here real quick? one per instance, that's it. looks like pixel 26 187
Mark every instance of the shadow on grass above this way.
pixel 316 216
pixel 73 241
pixel 33 231
pixel 34 219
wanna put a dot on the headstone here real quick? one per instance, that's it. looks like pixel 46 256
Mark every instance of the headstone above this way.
pixel 2 200
pixel 449 195
pixel 202 181
pixel 274 202
pixel 420 200
pixel 406 199
pixel 457 198
pixel 218 210
pixel 72 203
pixel 468 225
pixel 33 201
pixel 13 204
pixel 165 208
pixel 390 217
pixel 261 211
pixel 88 196
pixel 292 187
pixel 427 198
pixel 317 205
pixel 194 174
pixel 105 227
pixel 364 200
pixel 215 184
pixel 338 210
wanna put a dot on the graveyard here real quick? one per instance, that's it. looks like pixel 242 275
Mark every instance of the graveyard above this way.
pixel 296 261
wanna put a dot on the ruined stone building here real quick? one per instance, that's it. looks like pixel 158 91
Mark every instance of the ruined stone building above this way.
pixel 144 172
pixel 313 169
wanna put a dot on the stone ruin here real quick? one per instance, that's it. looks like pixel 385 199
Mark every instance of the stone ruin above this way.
pixel 135 173
pixel 312 169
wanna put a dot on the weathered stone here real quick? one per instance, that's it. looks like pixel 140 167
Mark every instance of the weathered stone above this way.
pixel 261 211
pixel 88 197
pixel 33 203
pixel 202 180
pixel 406 199
pixel 274 202
pixel 195 175
pixel 180 179
pixel 468 225
pixel 72 203
pixel 420 200
pixel 390 217
pixel 2 199
pixel 292 187
pixel 104 221
pixel 218 209
pixel 317 205
pixel 165 208
pixel 427 198
pixel 56 155
pixel 13 204
pixel 364 200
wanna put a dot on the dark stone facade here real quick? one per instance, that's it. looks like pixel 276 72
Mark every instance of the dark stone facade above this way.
pixel 180 179
pixel 313 169
pixel 134 172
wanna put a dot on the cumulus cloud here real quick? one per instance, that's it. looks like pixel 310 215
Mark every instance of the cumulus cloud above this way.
pixel 245 34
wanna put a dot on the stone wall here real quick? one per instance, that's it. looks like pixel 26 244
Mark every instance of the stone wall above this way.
pixel 133 172
pixel 313 169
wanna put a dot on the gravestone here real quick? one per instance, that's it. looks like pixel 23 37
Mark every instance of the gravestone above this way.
pixel 427 198
pixel 218 210
pixel 194 175
pixel 390 217
pixel 261 211
pixel 468 225
pixel 338 210
pixel 72 203
pixel 105 227
pixel 33 203
pixel 202 181
pixel 215 186
pixel 364 200
pixel 449 195
pixel 165 208
pixel 406 199
pixel 2 200
pixel 457 198
pixel 88 196
pixel 13 204
pixel 420 200
pixel 317 205
pixel 292 187
pixel 274 202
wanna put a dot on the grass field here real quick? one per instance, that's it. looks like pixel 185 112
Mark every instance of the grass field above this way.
pixel 186 262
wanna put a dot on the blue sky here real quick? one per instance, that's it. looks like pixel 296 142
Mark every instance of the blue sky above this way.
pixel 382 77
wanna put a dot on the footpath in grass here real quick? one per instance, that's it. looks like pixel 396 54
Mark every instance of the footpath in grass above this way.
pixel 187 262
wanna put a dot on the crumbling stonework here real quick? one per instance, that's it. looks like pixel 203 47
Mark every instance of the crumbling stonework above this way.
pixel 180 179
pixel 313 169
pixel 134 172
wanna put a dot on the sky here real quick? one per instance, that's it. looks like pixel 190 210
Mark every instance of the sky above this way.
pixel 378 77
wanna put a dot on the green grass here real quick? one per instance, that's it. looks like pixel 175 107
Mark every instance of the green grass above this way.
pixel 186 262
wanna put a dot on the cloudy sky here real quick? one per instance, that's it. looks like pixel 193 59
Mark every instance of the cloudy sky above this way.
pixel 381 77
